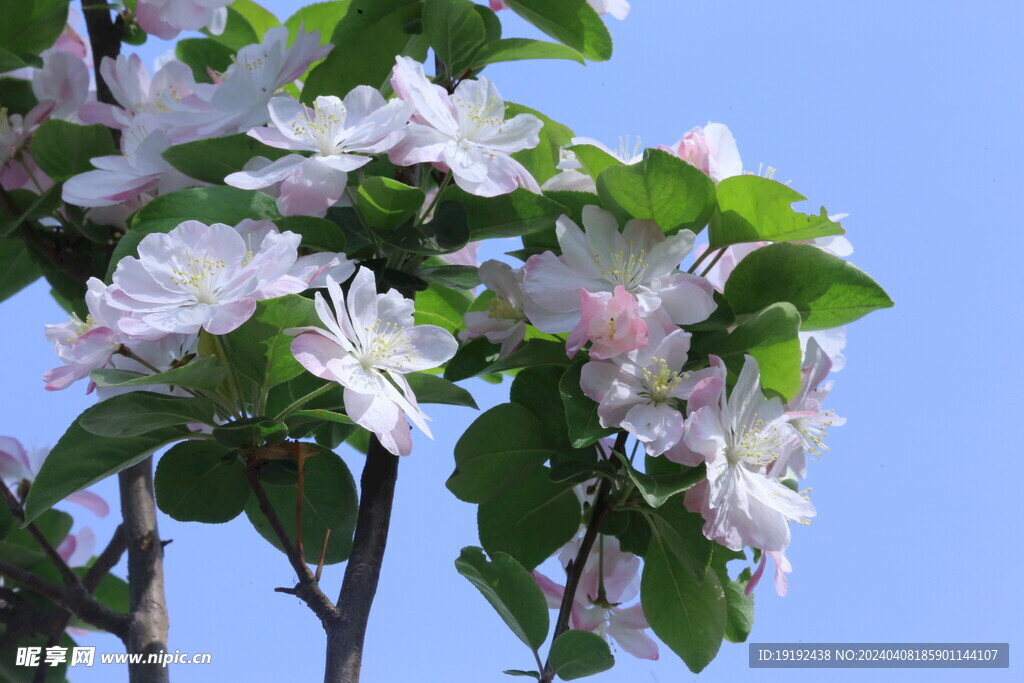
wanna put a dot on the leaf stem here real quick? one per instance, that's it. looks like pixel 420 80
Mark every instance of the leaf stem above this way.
pixel 299 402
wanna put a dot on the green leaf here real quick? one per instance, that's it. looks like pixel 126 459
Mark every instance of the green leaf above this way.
pixel 658 488
pixel 536 388
pixel 516 49
pixel 237 33
pixel 318 234
pixel 519 672
pixel 320 16
pixel 80 459
pixel 661 188
pixel 329 502
pixel 16 93
pixel 752 209
pixel 202 53
pixel 258 16
pixel 577 653
pixel 19 269
pixel 771 336
pixel 457 277
pixel 29 28
pixel 26 206
pixel 324 415
pixel 541 161
pixel 213 159
pixel 199 481
pixel 386 204
pixel 21 548
pixel 480 357
pixel 64 149
pixel 6 521
pixel 434 389
pixel 531 521
pixel 204 374
pixel 442 306
pixel 366 41
pixel 509 215
pixel 511 591
pixel 572 22
pixel 580 411
pixel 455 31
pixel 681 534
pixel 500 449
pixel 260 351
pixel 250 431
pixel 594 159
pixel 492 24
pixel 826 290
pixel 687 615
pixel 141 412
pixel 11 62
pixel 740 610
pixel 447 231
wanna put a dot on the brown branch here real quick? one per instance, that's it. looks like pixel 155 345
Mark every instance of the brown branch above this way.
pixel 307 589
pixel 105 35
pixel 146 598
pixel 346 635
pixel 74 599
pixel 69 577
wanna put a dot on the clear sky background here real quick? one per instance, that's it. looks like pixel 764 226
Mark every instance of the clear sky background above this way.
pixel 907 116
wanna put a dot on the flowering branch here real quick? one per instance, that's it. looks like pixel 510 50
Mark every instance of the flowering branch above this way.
pixel 598 515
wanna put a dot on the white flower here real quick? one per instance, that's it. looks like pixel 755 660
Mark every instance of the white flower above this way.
pixel 199 276
pixel 339 133
pixel 738 437
pixel 640 258
pixel 637 390
pixel 503 322
pixel 465 132
pixel 369 345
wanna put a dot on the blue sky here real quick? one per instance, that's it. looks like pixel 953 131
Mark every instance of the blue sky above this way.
pixel 904 115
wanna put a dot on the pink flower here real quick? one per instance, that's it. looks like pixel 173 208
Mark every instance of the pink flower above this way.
pixel 465 132
pixel 712 149
pixel 605 615
pixel 139 93
pixel 611 322
pixel 503 322
pixel 19 465
pixel 368 347
pixel 166 18
pixel 200 276
pixel 339 133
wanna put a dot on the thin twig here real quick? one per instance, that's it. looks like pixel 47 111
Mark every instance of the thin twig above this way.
pixel 307 589
pixel 68 575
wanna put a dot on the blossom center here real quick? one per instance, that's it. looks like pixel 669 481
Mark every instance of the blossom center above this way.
pixel 322 129
pixel 198 275
pixel 757 445
pixel 659 380
pixel 625 268
pixel 499 309
pixel 388 343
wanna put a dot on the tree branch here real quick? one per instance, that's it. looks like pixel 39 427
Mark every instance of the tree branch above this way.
pixel 74 599
pixel 307 589
pixel 345 636
pixel 598 515
pixel 69 577
pixel 105 35
pixel 146 598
